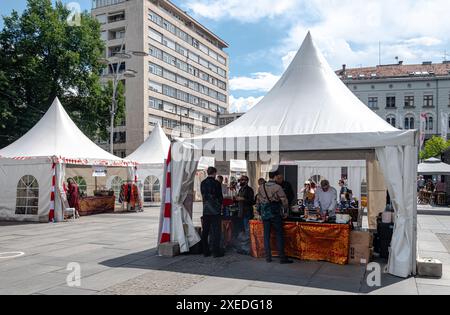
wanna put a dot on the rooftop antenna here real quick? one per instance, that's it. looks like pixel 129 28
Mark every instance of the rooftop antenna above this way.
pixel 445 55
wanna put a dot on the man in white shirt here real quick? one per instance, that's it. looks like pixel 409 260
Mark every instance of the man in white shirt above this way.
pixel 326 199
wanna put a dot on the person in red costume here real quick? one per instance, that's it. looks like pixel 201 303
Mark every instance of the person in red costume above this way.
pixel 73 196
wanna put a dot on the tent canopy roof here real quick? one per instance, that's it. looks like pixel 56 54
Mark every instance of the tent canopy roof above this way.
pixel 154 150
pixel 56 135
pixel 433 166
pixel 311 108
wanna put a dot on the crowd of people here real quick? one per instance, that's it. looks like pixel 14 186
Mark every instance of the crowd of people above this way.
pixel 271 204
pixel 428 190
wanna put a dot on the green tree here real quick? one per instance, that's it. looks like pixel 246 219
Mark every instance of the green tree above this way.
pixel 41 57
pixel 434 147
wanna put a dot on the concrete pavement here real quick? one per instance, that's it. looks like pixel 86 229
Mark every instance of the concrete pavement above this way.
pixel 117 255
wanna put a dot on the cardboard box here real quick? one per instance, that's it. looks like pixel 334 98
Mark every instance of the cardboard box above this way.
pixel 360 250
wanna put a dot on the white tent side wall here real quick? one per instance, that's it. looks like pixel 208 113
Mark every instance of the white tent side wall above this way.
pixel 146 170
pixel 11 171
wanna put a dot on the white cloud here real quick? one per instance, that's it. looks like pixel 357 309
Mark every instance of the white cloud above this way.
pixel 349 31
pixel 243 104
pixel 346 31
pixel 260 81
pixel 245 11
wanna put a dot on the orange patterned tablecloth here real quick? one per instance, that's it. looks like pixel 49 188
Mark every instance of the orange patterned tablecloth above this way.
pixel 94 205
pixel 306 241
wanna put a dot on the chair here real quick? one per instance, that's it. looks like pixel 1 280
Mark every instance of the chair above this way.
pixel 67 209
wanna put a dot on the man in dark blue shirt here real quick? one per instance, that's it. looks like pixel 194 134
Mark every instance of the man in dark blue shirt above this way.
pixel 211 191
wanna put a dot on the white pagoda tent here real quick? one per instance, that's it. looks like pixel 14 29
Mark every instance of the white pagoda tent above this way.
pixel 433 166
pixel 32 169
pixel 150 157
pixel 311 115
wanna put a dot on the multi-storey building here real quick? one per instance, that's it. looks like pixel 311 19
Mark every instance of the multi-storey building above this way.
pixel 227 118
pixel 182 84
pixel 401 93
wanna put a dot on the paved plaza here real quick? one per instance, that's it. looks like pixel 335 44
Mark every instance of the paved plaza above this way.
pixel 117 255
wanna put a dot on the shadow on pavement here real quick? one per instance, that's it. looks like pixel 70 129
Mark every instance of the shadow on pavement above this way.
pixel 315 276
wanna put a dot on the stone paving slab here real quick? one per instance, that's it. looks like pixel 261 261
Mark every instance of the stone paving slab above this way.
pixel 117 254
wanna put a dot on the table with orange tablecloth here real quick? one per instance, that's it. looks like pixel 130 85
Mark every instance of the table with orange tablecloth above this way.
pixel 306 241
pixel 96 205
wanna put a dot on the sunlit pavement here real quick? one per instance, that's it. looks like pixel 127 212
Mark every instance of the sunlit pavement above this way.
pixel 117 255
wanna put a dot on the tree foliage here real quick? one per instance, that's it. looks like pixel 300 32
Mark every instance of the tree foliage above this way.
pixel 434 148
pixel 41 57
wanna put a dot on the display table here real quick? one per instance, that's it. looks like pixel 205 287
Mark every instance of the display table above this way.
pixel 95 205
pixel 306 241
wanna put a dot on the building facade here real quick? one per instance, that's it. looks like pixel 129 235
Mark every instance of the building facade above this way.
pixel 227 118
pixel 400 93
pixel 182 84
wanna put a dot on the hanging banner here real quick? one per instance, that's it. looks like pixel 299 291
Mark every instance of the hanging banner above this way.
pixel 99 171
pixel 223 167
pixel 423 125
pixel 444 125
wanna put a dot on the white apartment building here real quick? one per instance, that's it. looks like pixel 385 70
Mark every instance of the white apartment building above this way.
pixel 401 93
pixel 182 84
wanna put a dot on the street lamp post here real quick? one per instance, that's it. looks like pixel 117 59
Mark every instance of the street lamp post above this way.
pixel 114 63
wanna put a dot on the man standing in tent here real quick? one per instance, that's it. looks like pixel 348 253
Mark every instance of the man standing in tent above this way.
pixel 271 198
pixel 212 207
pixel 326 199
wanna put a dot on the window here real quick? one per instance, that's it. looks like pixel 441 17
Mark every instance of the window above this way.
pixel 81 182
pixel 169 91
pixel 222 60
pixel 213 107
pixel 152 188
pixel 222 72
pixel 169 59
pixel 203 62
pixel 193 85
pixel 182 96
pixel 120 137
pixel 169 75
pixel 203 89
pixel 170 108
pixel 168 43
pixel 373 102
pixel 429 124
pixel 213 54
pixel 193 100
pixel 182 81
pixel 152 16
pixel 390 102
pixel 409 122
pixel 154 120
pixel 155 52
pixel 156 87
pixel 193 56
pixel 409 102
pixel 391 120
pixel 155 103
pixel 181 50
pixel 222 97
pixel 155 69
pixel 27 199
pixel 116 185
pixel 101 18
pixel 213 68
pixel 155 35
pixel 428 101
pixel 203 48
pixel 212 93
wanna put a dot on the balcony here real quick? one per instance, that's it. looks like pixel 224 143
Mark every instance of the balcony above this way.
pixel 104 3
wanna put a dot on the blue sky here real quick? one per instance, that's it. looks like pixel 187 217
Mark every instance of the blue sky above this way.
pixel 265 34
